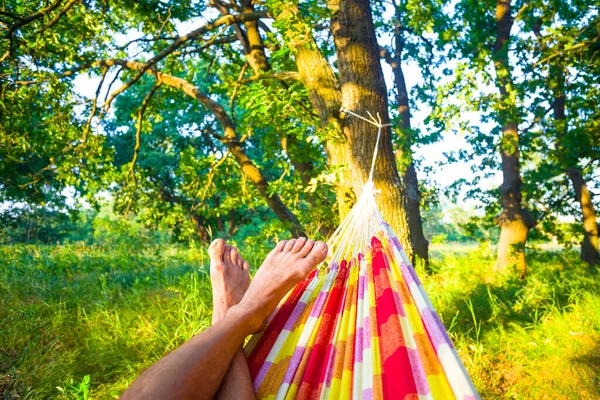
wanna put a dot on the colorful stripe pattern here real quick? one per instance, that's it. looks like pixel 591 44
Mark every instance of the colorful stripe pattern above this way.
pixel 361 327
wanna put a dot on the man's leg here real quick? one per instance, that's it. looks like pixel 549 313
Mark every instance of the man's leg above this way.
pixel 230 277
pixel 196 369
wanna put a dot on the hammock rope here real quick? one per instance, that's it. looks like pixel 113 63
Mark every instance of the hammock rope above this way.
pixel 361 325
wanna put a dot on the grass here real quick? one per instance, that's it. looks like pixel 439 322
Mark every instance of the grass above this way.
pixel 83 321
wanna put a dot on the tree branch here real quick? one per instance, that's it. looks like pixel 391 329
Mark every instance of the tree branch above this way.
pixel 146 40
pixel 237 86
pixel 86 130
pixel 229 139
pixel 54 20
pixel 537 119
pixel 282 76
pixel 138 137
pixel 210 42
pixel 180 41
pixel 26 20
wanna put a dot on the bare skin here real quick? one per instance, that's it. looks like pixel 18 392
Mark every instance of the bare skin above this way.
pixel 230 278
pixel 197 368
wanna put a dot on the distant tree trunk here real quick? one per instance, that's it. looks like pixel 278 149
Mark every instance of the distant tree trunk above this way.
pixel 515 222
pixel 200 227
pixel 568 159
pixel 409 176
pixel 413 212
pixel 197 219
pixel 589 245
pixel 220 224
pixel 363 90
pixel 232 223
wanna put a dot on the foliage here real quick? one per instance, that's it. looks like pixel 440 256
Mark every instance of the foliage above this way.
pixel 44 224
pixel 107 312
pixel 41 150
pixel 452 224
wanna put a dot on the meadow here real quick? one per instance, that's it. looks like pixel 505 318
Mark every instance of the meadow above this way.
pixel 82 321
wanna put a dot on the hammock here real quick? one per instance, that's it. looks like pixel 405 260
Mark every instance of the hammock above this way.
pixel 360 326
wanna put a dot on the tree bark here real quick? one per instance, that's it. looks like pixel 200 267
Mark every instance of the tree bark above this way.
pixel 200 225
pixel 232 223
pixel 255 54
pixel 409 176
pixel 515 222
pixel 363 91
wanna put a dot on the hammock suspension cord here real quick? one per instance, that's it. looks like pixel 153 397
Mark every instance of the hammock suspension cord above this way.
pixel 379 125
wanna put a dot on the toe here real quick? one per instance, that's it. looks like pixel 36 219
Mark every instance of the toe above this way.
pixel 299 244
pixel 318 253
pixel 227 254
pixel 289 245
pixel 233 255
pixel 246 266
pixel 216 249
pixel 308 246
pixel 240 261
pixel 280 246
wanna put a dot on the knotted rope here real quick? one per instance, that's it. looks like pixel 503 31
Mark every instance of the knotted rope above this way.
pixel 379 125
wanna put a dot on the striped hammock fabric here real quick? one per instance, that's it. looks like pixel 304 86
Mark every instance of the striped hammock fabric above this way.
pixel 358 327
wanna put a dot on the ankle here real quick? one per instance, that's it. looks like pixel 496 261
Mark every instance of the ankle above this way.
pixel 252 315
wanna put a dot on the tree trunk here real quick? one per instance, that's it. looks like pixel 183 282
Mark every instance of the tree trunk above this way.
pixel 589 245
pixel 409 176
pixel 201 230
pixel 351 142
pixel 514 221
pixel 363 91
pixel 413 212
pixel 220 224
pixel 232 223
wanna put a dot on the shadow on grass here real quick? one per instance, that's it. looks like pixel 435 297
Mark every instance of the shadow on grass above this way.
pixel 552 285
pixel 591 362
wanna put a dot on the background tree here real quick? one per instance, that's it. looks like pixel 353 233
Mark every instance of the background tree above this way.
pixel 567 83
pixel 484 49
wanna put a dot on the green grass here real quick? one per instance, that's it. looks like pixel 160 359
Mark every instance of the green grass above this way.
pixel 75 319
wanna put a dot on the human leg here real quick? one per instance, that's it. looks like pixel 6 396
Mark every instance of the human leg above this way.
pixel 230 277
pixel 197 368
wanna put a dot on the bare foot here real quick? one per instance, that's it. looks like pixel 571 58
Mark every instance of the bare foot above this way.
pixel 229 276
pixel 285 266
